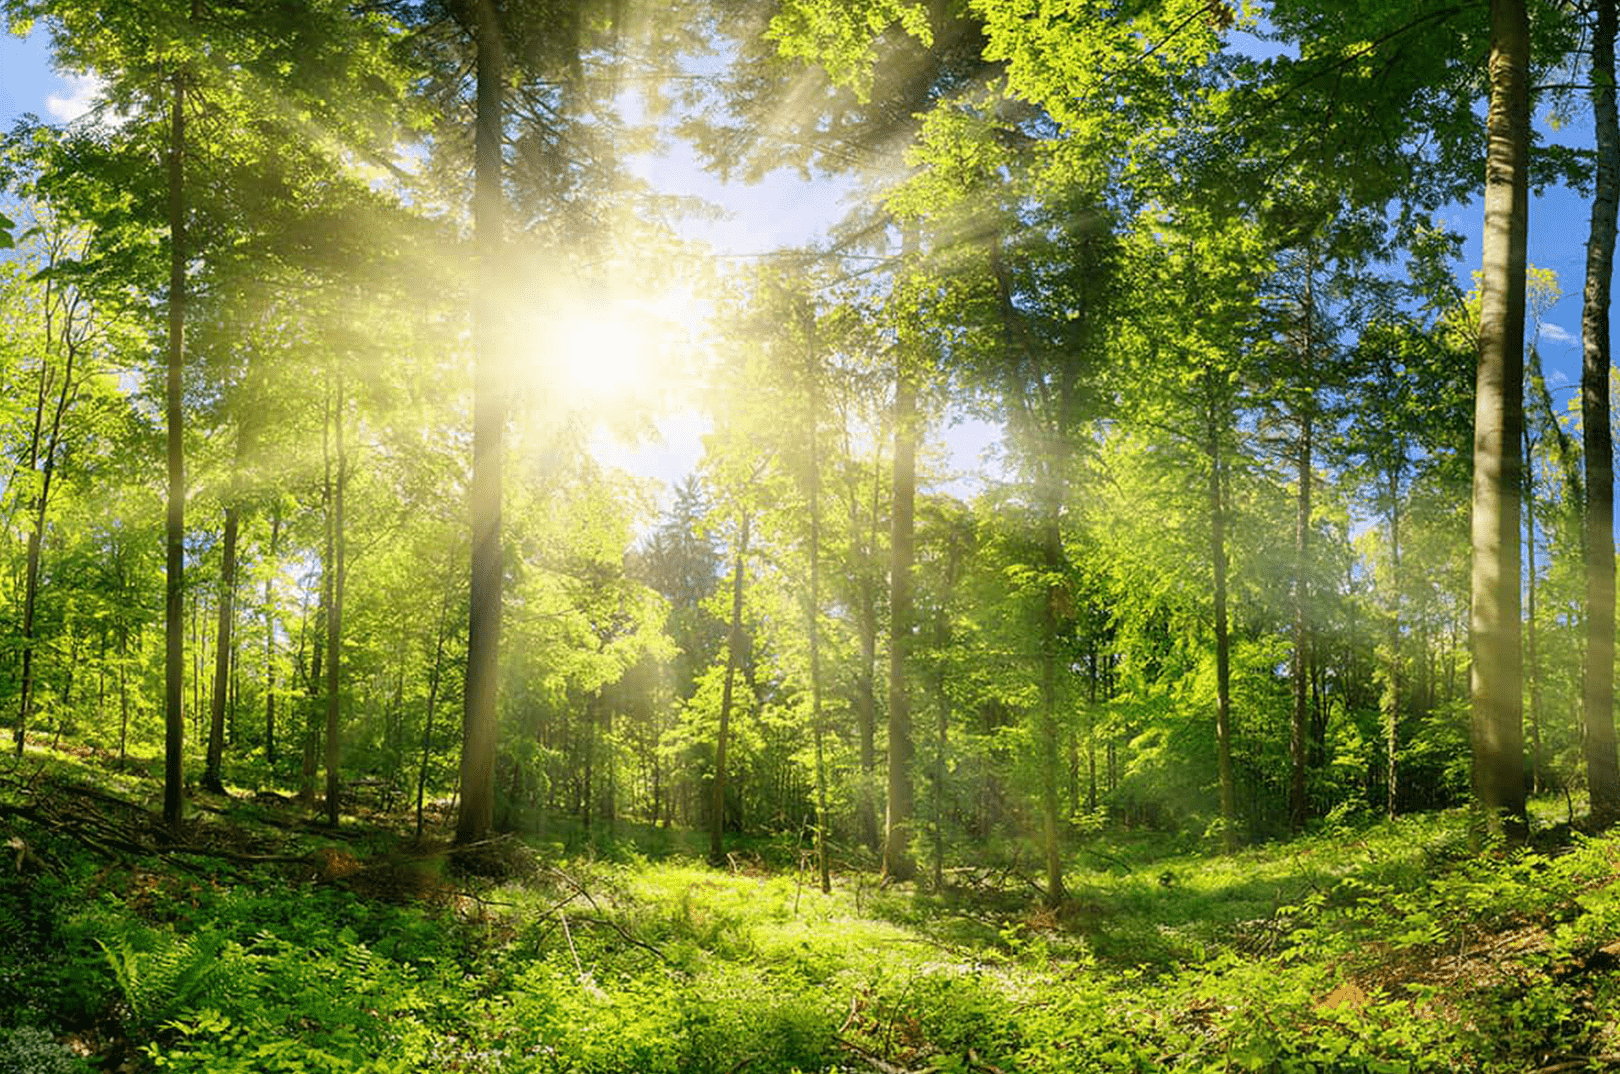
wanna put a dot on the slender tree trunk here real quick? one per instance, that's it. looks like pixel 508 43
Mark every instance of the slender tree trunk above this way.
pixel 590 801
pixel 174 666
pixel 36 534
pixel 1298 806
pixel 1602 770
pixel 1392 690
pixel 1052 544
pixel 26 691
pixel 897 862
pixel 222 657
pixel 197 649
pixel 123 693
pixel 489 416
pixel 813 364
pixel 942 720
pixel 717 812
pixel 1532 663
pixel 314 678
pixel 864 534
pixel 1498 763
pixel 866 721
pixel 942 711
pixel 270 642
pixel 334 615
pixel 1223 663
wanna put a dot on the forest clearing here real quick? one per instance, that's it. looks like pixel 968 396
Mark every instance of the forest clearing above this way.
pixel 263 942
pixel 1113 570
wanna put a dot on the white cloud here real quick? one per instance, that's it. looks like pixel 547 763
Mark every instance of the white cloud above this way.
pixel 80 96
pixel 1556 334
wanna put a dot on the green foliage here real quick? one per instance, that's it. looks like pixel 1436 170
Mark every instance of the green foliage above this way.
pixel 1371 947
pixel 158 974
pixel 29 1050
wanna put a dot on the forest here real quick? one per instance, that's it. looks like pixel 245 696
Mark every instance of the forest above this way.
pixel 1247 704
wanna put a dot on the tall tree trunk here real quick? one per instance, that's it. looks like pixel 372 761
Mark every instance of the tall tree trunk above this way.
pixel 1298 803
pixel 1298 806
pixel 1602 770
pixel 866 720
pixel 1498 762
pixel 818 730
pixel 1392 687
pixel 1052 554
pixel 717 811
pixel 432 702
pixel 174 657
pixel 1532 662
pixel 334 614
pixel 222 657
pixel 863 528
pixel 897 862
pixel 1223 661
pixel 942 714
pixel 270 642
pixel 489 416
pixel 314 678
pixel 123 693
pixel 45 461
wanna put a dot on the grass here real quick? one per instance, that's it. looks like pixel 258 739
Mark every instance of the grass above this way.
pixel 1382 947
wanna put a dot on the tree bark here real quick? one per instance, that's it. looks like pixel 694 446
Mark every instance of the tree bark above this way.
pixel 1053 562
pixel 1300 670
pixel 866 719
pixel 1497 706
pixel 270 643
pixel 717 812
pixel 489 416
pixel 432 703
pixel 942 713
pixel 1392 688
pixel 45 464
pixel 123 692
pixel 1223 660
pixel 1298 805
pixel 222 657
pixel 813 458
pixel 1532 661
pixel 334 614
pixel 1602 770
pixel 897 862
pixel 174 657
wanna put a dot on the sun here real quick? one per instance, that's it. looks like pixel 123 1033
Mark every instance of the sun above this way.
pixel 602 358
pixel 611 351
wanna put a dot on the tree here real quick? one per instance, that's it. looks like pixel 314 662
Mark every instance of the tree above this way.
pixel 174 538
pixel 205 74
pixel 897 860
pixel 1602 769
pixel 1498 767
pixel 734 644
pixel 489 418
pixel 70 324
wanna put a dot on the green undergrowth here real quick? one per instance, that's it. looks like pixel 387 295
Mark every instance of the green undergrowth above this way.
pixel 1386 948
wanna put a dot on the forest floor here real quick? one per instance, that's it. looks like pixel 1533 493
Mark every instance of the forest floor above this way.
pixel 262 941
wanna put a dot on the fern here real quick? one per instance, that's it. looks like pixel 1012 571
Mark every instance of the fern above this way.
pixel 161 983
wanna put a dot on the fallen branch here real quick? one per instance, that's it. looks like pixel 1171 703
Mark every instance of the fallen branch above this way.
pixel 1600 1062
pixel 870 1058
pixel 603 918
